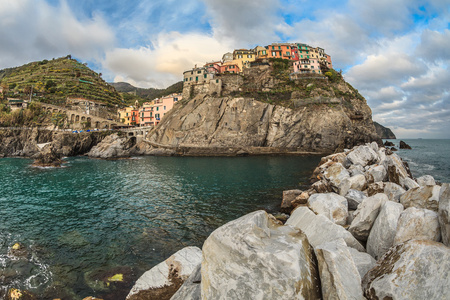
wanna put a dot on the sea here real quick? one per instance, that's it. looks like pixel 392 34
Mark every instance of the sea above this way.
pixel 81 224
pixel 92 219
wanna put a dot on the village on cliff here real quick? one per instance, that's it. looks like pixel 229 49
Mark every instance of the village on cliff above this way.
pixel 306 60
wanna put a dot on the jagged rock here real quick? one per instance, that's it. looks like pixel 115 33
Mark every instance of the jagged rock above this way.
pixel 339 276
pixel 354 198
pixel 384 132
pixel 398 173
pixel 376 173
pixel 426 180
pixel 422 197
pixel 404 145
pixel 163 280
pixel 254 258
pixel 444 213
pixel 113 146
pixel 356 169
pixel 356 182
pixel 363 155
pixel 321 187
pixel 366 215
pixel 191 288
pixel 289 199
pixel 336 174
pixel 363 261
pixel 320 229
pixel 48 158
pixel 417 223
pixel 330 205
pixel 417 269
pixel 383 231
pixel 392 190
pixel 389 144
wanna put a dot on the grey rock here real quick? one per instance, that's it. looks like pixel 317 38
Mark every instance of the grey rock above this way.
pixel 376 173
pixel 167 276
pixel 254 258
pixel 336 174
pixel 383 231
pixel 330 205
pixel 191 289
pixel 426 180
pixel 339 276
pixel 289 197
pixel 417 223
pixel 354 198
pixel 417 269
pixel 444 213
pixel 320 229
pixel 366 215
pixel 393 191
pixel 397 173
pixel 363 261
pixel 422 197
pixel 363 155
pixel 356 182
pixel 356 169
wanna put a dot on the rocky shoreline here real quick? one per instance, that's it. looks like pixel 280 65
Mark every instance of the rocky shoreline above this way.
pixel 365 229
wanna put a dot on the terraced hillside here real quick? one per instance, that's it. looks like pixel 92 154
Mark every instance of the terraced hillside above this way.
pixel 52 81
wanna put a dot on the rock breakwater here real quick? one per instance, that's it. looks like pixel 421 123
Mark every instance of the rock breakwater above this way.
pixel 365 229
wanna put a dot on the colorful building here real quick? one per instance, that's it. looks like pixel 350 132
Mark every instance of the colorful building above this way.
pixel 307 65
pixel 282 50
pixel 197 75
pixel 152 112
pixel 124 114
pixel 243 57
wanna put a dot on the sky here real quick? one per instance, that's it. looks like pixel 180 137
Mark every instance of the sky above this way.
pixel 395 52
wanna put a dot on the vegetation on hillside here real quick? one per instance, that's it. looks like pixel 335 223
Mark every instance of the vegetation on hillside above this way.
pixel 130 93
pixel 52 81
pixel 34 116
pixel 331 84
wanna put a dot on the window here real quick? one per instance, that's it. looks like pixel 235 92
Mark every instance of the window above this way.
pixel 157 108
pixel 249 56
pixel 287 47
pixel 288 53
pixel 164 108
pixel 301 56
pixel 199 72
pixel 190 79
pixel 273 47
pixel 205 75
pixel 196 78
pixel 279 47
pixel 127 114
pixel 274 53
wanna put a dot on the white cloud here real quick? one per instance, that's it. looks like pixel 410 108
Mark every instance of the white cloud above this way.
pixel 164 63
pixel 33 30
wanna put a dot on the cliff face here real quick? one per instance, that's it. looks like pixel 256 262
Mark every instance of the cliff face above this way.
pixel 384 132
pixel 233 124
pixel 25 142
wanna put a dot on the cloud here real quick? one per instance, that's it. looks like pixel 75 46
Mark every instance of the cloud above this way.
pixel 245 22
pixel 164 63
pixel 434 46
pixel 33 30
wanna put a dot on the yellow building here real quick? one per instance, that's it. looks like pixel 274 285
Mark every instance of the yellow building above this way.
pixel 243 57
pixel 125 114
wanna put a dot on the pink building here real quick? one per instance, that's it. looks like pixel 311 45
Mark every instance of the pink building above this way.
pixel 145 114
pixel 307 65
pixel 158 108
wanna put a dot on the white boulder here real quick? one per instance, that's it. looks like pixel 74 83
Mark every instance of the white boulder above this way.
pixel 417 269
pixel 417 223
pixel 354 198
pixel 376 173
pixel 191 288
pixel 383 231
pixel 255 258
pixel 168 276
pixel 363 155
pixel 319 229
pixel 444 213
pixel 422 197
pixel 426 180
pixel 363 261
pixel 366 215
pixel 339 276
pixel 330 205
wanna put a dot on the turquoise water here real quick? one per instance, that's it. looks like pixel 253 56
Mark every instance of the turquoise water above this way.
pixel 427 157
pixel 94 218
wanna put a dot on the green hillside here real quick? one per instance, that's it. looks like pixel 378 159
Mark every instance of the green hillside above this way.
pixel 52 81
pixel 131 93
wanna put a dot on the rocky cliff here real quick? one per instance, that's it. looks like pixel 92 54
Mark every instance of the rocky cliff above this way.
pixel 384 132
pixel 330 117
pixel 30 142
